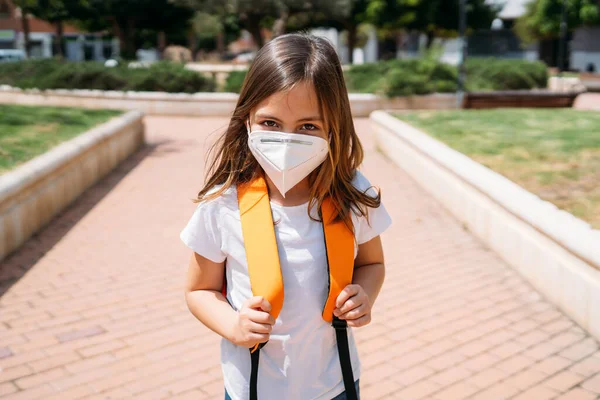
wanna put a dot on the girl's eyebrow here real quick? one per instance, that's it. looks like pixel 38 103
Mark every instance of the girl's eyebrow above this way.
pixel 266 116
pixel 310 119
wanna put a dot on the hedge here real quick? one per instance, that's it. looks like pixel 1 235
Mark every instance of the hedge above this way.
pixel 423 76
pixel 389 78
pixel 162 76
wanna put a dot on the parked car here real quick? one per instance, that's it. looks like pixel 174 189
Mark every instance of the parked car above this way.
pixel 9 55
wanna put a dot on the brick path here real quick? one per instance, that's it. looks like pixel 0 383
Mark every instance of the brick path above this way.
pixel 93 306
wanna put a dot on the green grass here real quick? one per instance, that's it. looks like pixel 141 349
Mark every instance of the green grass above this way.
pixel 554 153
pixel 26 132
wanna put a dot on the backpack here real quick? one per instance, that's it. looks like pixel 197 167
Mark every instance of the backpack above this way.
pixel 265 271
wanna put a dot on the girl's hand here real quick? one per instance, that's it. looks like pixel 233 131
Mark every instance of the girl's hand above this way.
pixel 354 306
pixel 254 323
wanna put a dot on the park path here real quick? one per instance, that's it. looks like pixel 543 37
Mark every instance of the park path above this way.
pixel 93 306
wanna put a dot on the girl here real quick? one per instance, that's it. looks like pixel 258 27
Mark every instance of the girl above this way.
pixel 292 128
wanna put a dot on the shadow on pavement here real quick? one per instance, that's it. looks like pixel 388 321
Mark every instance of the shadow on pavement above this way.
pixel 15 265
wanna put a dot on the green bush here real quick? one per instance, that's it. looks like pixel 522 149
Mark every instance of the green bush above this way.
pixel 505 74
pixel 235 81
pixel 423 76
pixel 57 74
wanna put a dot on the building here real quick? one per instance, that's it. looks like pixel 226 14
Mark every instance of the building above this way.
pixel 78 45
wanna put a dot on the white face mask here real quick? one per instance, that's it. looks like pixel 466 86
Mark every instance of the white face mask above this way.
pixel 287 158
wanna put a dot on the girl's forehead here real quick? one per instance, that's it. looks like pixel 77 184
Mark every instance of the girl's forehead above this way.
pixel 298 102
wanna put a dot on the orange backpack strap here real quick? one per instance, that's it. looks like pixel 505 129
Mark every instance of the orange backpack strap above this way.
pixel 339 243
pixel 265 274
pixel 259 241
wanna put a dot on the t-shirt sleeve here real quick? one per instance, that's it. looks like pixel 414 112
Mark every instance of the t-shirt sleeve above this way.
pixel 378 218
pixel 202 233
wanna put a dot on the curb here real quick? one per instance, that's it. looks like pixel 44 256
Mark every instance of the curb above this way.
pixel 557 252
pixel 34 192
pixel 197 104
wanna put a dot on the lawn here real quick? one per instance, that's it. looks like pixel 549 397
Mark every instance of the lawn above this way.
pixel 554 153
pixel 26 132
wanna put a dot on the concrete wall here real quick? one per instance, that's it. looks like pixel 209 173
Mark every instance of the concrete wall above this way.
pixel 199 104
pixel 36 191
pixel 557 252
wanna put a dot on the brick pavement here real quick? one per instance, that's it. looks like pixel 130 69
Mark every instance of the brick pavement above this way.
pixel 93 306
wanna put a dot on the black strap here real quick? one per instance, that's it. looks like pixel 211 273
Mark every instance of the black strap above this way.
pixel 341 334
pixel 254 358
pixel 254 375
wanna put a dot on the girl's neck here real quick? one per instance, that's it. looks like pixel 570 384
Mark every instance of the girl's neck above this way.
pixel 296 196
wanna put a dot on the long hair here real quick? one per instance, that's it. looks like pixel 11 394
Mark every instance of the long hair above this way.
pixel 278 66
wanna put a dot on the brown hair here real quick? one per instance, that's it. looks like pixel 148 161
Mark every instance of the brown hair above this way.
pixel 278 66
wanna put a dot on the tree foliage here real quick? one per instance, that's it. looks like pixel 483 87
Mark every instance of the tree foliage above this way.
pixel 543 17
pixel 127 17
pixel 436 18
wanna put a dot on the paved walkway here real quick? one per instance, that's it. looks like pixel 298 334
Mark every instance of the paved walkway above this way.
pixel 93 306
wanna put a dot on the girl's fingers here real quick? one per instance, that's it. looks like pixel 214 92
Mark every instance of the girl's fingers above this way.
pixel 355 313
pixel 345 294
pixel 351 304
pixel 362 321
pixel 261 317
pixel 258 302
pixel 258 337
pixel 260 328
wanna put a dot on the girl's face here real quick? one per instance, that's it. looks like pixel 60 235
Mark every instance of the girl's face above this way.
pixel 292 111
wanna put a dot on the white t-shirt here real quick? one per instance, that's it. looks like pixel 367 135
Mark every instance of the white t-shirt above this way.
pixel 301 360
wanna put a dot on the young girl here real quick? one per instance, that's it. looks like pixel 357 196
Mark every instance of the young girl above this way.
pixel 292 128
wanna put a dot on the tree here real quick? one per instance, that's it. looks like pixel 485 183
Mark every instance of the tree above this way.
pixel 57 12
pixel 126 17
pixel 26 6
pixel 343 15
pixel 252 14
pixel 542 18
pixel 435 18
pixel 440 18
pixel 348 15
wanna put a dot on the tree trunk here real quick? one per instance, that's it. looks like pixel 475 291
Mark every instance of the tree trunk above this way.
pixel 118 32
pixel 221 43
pixel 399 43
pixel 59 39
pixel 162 43
pixel 254 28
pixel 25 23
pixel 280 24
pixel 130 38
pixel 430 39
pixel 352 33
pixel 192 43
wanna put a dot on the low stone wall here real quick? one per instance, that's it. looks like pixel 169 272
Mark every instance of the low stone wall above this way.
pixel 150 103
pixel 557 252
pixel 198 104
pixel 520 98
pixel 31 194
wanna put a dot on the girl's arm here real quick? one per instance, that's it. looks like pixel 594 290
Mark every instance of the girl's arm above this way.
pixel 355 302
pixel 206 302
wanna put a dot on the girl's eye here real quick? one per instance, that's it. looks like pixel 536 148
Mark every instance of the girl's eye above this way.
pixel 309 127
pixel 269 123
